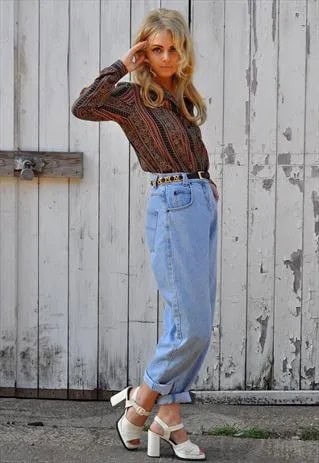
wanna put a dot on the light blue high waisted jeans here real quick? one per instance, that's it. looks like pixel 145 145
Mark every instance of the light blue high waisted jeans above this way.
pixel 181 234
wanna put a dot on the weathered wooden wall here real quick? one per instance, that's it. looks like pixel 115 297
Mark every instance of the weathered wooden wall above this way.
pixel 79 313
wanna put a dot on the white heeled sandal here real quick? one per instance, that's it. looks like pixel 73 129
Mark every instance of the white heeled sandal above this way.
pixel 185 451
pixel 127 430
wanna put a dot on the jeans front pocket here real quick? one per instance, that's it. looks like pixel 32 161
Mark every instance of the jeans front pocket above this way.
pixel 178 196
pixel 151 227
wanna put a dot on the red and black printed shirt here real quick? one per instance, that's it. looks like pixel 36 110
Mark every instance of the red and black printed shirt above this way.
pixel 163 138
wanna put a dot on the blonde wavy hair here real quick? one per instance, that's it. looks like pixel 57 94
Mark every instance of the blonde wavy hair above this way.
pixel 172 20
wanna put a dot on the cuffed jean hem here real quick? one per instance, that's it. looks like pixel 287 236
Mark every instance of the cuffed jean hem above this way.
pixel 175 398
pixel 164 389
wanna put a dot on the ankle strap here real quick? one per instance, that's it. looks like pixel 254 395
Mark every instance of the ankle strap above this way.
pixel 132 402
pixel 166 428
pixel 140 410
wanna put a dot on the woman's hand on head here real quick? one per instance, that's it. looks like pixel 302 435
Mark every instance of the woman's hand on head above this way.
pixel 135 53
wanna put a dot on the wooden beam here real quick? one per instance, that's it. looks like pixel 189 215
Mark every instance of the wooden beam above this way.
pixel 45 163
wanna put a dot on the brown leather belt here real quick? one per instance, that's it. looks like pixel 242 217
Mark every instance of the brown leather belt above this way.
pixel 179 177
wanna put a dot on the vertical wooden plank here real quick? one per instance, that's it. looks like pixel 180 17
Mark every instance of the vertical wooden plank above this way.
pixel 234 192
pixel 179 5
pixel 262 185
pixel 83 247
pixel 142 289
pixel 27 133
pixel 113 211
pixel 54 117
pixel 310 294
pixel 310 284
pixel 207 21
pixel 8 203
pixel 290 186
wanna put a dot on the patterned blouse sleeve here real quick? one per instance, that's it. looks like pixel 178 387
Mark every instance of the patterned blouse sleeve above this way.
pixel 102 100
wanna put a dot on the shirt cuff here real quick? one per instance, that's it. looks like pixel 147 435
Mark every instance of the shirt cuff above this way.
pixel 120 63
pixel 118 67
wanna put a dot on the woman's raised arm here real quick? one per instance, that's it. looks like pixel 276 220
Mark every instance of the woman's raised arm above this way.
pixel 102 100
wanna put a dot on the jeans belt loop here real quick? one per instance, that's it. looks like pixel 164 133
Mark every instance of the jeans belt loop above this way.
pixel 200 173
pixel 155 183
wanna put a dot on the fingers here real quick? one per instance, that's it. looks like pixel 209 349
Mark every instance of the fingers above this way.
pixel 137 53
pixel 139 45
pixel 138 59
pixel 214 190
pixel 216 194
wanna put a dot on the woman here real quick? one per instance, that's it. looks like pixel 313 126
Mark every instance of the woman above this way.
pixel 156 113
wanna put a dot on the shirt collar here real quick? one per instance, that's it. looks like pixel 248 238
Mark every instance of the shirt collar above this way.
pixel 171 97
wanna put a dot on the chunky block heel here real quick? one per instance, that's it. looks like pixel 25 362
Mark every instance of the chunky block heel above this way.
pixel 153 444
pixel 119 397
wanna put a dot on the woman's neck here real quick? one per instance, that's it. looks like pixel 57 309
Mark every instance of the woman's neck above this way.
pixel 168 84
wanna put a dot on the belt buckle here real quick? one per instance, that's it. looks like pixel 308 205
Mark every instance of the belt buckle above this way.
pixel 200 173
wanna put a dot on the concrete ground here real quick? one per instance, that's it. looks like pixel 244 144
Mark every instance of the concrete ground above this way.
pixel 64 431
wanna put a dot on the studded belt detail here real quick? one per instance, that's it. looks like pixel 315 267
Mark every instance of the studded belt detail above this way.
pixel 179 177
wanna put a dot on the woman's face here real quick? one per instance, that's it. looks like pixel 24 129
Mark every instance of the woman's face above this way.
pixel 162 55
